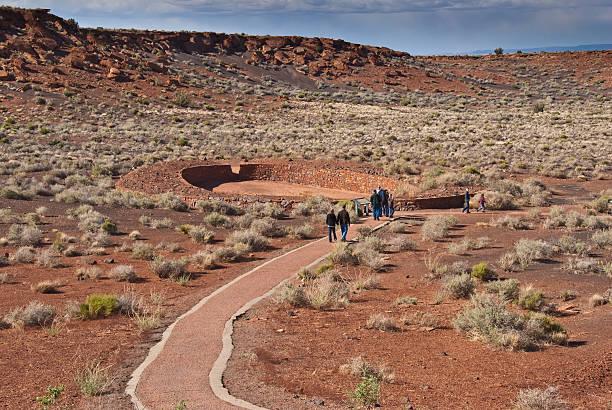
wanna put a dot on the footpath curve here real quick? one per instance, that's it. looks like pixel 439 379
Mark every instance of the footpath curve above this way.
pixel 189 361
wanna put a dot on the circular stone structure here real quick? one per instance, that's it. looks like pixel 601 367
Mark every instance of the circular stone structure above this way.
pixel 263 180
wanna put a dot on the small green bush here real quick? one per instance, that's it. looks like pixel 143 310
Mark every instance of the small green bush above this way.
pixel 367 392
pixel 459 287
pixel 482 271
pixel 98 305
pixel 530 298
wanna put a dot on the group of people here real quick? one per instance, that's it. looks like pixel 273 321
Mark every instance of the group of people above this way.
pixel 383 203
pixel 343 219
pixel 466 203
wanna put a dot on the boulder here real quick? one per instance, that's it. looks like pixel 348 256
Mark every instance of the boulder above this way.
pixel 114 73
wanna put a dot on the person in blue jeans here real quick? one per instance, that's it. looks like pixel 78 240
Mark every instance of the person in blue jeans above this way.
pixel 391 205
pixel 385 202
pixel 331 222
pixel 344 220
pixel 375 201
pixel 466 208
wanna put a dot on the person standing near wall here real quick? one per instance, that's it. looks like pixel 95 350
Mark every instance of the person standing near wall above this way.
pixel 391 205
pixel 385 202
pixel 467 202
pixel 375 201
pixel 331 222
pixel 344 220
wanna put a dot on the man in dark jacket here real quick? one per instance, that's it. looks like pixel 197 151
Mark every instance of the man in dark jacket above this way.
pixel 376 203
pixel 466 202
pixel 331 222
pixel 344 220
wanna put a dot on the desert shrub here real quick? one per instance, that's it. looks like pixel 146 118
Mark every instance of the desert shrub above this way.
pixel 204 259
pixel 97 305
pixel 530 298
pixel 123 273
pixel 305 231
pixel 168 246
pixel 582 265
pixel 93 379
pixel 600 204
pixel 46 286
pixel 306 275
pixel 364 282
pixel 371 242
pixel 397 227
pixel 436 227
pixel 366 393
pixel 231 253
pixel 357 366
pixel 109 227
pixel 597 300
pixel 399 244
pixel 268 227
pixel 88 272
pixel 506 289
pixel 434 266
pixel 244 221
pixel 508 262
pixel 595 223
pixel 422 319
pixel 200 234
pixel 499 201
pixel 312 205
pixel 291 295
pixel 324 293
pixel 602 239
pixel 168 268
pixel 25 254
pixel 33 314
pixel 367 253
pixel 268 209
pixel 145 220
pixel 24 235
pixel 487 319
pixel 31 218
pixel 572 246
pixel 254 240
pixel 364 231
pixel 343 255
pixel 540 399
pixel 458 268
pixel 512 222
pixel 528 250
pixel 216 219
pixel 221 207
pixel 459 287
pixel 405 300
pixel 482 271
pixel 135 235
pixel 534 214
pixel 163 223
pixel 97 239
pixel 142 251
pixel 379 321
pixel 5 278
pixel 48 258
pixel 170 201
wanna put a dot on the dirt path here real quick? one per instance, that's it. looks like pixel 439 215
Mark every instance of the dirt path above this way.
pixel 182 366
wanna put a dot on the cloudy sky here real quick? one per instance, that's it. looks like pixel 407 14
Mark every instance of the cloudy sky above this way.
pixel 416 26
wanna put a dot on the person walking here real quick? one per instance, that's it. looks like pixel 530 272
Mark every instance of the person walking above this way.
pixel 344 219
pixel 391 205
pixel 481 202
pixel 331 222
pixel 385 202
pixel 375 201
pixel 466 208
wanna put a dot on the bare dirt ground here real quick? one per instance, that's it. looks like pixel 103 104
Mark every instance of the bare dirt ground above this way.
pixel 293 360
pixel 37 357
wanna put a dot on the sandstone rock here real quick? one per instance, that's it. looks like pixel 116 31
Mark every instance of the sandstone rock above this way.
pixel 114 73
pixel 74 61
pixel 6 75
pixel 156 67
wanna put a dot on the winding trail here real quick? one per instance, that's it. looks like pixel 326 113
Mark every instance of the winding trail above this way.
pixel 189 361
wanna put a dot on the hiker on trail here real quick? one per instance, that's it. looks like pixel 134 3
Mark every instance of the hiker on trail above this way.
pixel 331 224
pixel 344 220
pixel 481 202
pixel 375 201
pixel 385 202
pixel 467 202
pixel 391 205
